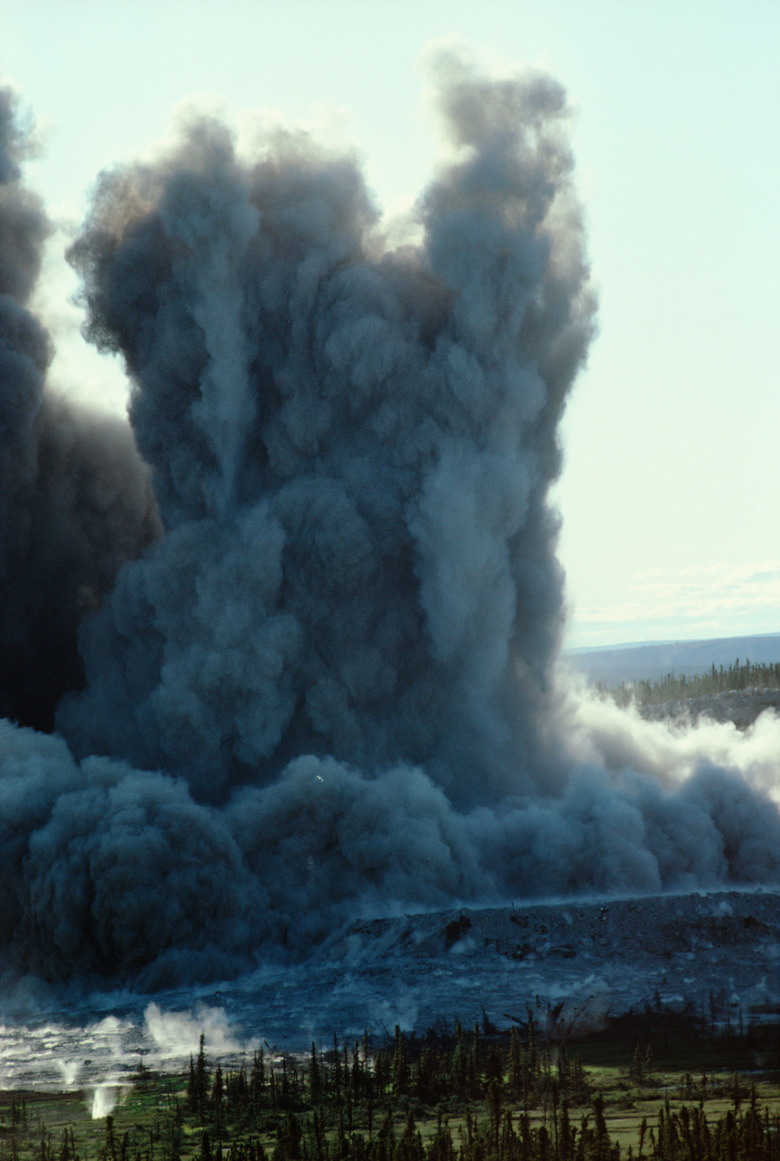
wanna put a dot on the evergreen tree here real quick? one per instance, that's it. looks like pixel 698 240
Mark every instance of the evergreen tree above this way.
pixel 315 1076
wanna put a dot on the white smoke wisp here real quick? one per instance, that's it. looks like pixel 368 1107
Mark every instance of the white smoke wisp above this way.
pixel 106 1097
pixel 672 751
pixel 319 668
pixel 177 1035
pixel 69 1070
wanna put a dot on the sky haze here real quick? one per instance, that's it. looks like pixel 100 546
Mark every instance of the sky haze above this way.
pixel 670 493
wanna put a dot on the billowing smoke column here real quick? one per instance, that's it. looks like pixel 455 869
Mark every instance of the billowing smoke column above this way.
pixel 75 498
pixel 328 686
pixel 351 450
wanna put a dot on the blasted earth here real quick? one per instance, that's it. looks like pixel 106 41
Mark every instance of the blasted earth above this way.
pixel 281 652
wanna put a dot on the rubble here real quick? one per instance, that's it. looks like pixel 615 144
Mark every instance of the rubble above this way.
pixel 713 951
pixel 574 964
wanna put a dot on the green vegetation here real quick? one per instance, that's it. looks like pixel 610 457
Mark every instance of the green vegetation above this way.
pixel 716 680
pixel 449 1096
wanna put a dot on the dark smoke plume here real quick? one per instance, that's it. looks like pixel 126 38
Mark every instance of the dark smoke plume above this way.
pixel 351 448
pixel 339 657
pixel 75 498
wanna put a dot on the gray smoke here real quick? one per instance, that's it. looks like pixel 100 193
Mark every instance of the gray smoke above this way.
pixel 329 686
pixel 75 498
pixel 351 447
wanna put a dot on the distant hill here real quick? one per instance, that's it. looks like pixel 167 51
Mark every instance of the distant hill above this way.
pixel 651 662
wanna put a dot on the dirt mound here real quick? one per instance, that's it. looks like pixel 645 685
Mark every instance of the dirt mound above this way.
pixel 576 962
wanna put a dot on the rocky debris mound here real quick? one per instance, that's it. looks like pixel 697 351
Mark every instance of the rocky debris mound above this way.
pixel 656 926
pixel 576 962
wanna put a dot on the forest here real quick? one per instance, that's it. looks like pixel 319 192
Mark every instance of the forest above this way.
pixel 451 1095
pixel 739 676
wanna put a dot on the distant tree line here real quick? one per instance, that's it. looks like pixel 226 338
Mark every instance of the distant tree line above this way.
pixel 468 1097
pixel 462 1067
pixel 489 1100
pixel 717 680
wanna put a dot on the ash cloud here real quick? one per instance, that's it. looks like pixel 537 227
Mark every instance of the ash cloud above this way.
pixel 75 497
pixel 328 687
pixel 351 450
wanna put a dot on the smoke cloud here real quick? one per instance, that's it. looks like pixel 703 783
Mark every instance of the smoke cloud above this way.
pixel 75 497
pixel 351 450
pixel 319 667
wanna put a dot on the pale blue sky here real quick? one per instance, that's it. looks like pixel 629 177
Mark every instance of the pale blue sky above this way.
pixel 671 491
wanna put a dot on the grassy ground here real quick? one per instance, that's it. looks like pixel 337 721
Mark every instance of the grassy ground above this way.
pixel 636 1065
